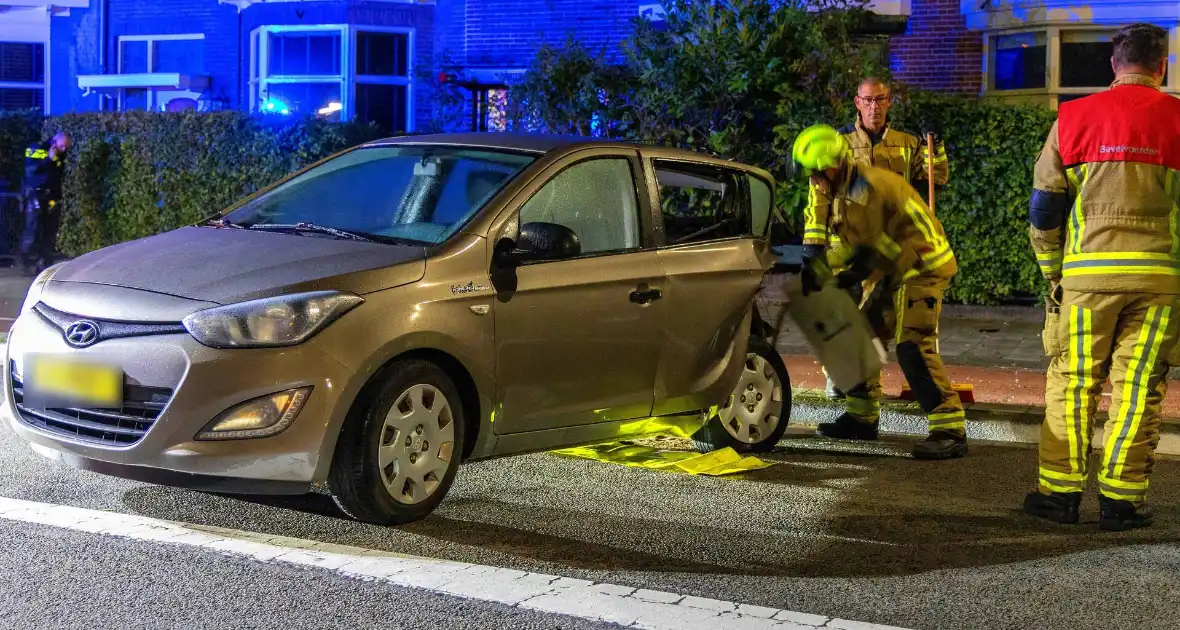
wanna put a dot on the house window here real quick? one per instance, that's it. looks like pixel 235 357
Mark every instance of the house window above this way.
pixel 152 54
pixel 297 70
pixel 337 72
pixel 1018 61
pixel 22 75
pixel 489 108
pixel 1085 59
pixel 383 79
pixel 1051 66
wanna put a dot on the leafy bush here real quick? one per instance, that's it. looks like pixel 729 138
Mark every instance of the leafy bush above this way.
pixel 744 77
pixel 135 174
pixel 18 129
pixel 984 206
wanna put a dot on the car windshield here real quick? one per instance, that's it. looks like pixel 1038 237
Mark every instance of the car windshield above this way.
pixel 404 193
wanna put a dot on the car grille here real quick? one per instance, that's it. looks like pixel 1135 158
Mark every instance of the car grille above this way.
pixel 111 427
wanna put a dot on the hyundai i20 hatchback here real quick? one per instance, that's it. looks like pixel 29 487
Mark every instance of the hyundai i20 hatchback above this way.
pixel 379 317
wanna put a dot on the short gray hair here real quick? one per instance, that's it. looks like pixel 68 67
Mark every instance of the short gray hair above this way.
pixel 1141 44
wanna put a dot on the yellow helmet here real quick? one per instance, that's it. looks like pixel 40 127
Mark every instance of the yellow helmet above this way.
pixel 819 147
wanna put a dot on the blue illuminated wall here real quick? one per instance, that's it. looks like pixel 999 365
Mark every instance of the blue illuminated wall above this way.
pixel 218 22
pixel 225 54
pixel 507 33
pixel 73 50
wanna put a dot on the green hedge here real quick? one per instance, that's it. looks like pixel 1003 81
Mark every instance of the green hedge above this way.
pixel 18 129
pixel 992 148
pixel 135 174
pixel 745 79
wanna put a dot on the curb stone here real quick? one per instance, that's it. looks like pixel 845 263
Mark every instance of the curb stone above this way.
pixel 985 421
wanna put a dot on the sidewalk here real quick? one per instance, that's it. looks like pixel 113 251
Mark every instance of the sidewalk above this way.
pixel 996 350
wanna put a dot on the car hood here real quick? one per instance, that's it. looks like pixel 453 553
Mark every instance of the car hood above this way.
pixel 224 266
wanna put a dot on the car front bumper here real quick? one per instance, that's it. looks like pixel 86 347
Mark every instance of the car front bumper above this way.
pixel 203 382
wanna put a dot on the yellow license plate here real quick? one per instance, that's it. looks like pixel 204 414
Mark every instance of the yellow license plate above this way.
pixel 67 382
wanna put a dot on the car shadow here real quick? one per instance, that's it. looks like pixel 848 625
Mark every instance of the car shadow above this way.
pixel 330 525
pixel 884 516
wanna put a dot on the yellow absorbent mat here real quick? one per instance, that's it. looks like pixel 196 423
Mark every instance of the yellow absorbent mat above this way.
pixel 723 462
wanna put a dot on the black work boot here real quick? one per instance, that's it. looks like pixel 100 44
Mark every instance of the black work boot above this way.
pixel 1059 507
pixel 941 445
pixel 848 427
pixel 1118 516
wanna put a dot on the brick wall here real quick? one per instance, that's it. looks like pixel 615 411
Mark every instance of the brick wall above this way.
pixel 507 33
pixel 218 22
pixel 937 52
pixel 73 50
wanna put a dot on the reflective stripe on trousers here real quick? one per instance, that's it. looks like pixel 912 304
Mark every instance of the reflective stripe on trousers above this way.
pixel 1134 334
pixel 917 322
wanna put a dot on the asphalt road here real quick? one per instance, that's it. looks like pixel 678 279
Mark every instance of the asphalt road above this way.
pixel 56 578
pixel 864 534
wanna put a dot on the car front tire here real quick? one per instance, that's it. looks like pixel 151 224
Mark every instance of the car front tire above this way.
pixel 400 448
pixel 756 415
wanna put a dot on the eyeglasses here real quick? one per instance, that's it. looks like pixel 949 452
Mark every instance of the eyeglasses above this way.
pixel 873 100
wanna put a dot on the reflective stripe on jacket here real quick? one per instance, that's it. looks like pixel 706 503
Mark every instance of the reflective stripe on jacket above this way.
pixel 896 151
pixel 43 173
pixel 877 208
pixel 1105 209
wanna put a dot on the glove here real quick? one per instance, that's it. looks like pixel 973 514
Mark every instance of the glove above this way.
pixel 858 271
pixel 814 266
pixel 930 127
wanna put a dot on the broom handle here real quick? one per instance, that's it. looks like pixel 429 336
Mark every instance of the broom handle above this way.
pixel 930 167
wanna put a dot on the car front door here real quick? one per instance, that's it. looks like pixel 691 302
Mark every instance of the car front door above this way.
pixel 578 338
pixel 714 222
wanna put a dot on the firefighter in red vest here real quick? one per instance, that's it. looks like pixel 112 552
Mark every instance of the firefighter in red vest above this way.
pixel 1105 225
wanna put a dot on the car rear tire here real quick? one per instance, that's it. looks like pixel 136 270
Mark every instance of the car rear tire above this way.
pixel 757 413
pixel 400 447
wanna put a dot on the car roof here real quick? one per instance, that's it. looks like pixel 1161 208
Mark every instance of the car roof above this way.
pixel 528 142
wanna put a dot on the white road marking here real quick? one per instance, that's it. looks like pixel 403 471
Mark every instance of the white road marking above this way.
pixel 630 607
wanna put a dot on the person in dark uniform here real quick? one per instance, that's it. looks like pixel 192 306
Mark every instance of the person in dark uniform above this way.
pixel 44 164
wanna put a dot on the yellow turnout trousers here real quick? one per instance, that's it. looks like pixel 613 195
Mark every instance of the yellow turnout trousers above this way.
pixel 1129 338
pixel 913 316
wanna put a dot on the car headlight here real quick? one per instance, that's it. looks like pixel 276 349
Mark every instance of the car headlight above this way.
pixel 272 322
pixel 261 417
pixel 38 287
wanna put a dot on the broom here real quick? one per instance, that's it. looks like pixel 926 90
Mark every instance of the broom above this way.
pixel 966 391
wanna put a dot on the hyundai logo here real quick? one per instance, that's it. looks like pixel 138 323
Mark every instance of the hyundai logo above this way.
pixel 82 334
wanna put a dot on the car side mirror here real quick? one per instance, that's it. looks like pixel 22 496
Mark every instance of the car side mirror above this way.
pixel 538 241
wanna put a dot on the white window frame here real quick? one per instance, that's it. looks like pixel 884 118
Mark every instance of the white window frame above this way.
pixel 1053 91
pixel 260 56
pixel 151 49
pixel 407 81
pixel 347 79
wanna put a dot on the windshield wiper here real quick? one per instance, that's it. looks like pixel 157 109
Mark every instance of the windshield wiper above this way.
pixel 312 227
pixel 223 223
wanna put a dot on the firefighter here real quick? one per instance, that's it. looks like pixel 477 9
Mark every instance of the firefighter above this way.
pixel 875 142
pixel 1105 226
pixel 886 229
pixel 44 164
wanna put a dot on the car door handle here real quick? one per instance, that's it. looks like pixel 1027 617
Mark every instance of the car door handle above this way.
pixel 646 297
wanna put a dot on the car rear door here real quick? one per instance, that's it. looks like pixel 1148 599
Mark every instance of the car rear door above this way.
pixel 574 346
pixel 712 221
